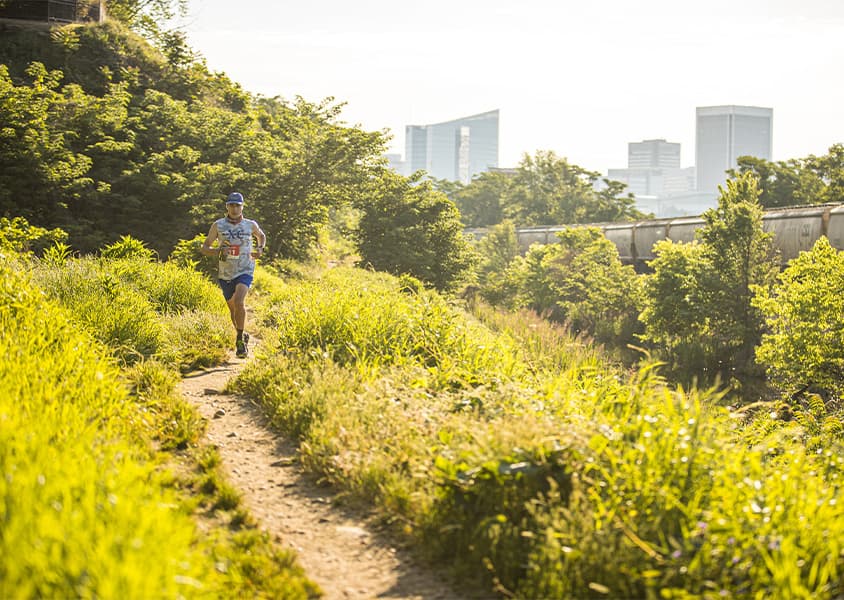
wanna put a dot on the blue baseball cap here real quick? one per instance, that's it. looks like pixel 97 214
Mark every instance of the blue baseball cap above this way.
pixel 235 198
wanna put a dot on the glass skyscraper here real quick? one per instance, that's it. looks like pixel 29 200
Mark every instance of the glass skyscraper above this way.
pixel 455 150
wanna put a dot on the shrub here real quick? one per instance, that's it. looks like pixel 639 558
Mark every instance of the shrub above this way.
pixel 17 235
pixel 580 281
pixel 128 247
pixel 804 319
pixel 186 254
pixel 406 227
pixel 698 308
pixel 499 252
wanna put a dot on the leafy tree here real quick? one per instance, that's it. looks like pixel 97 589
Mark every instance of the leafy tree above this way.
pixel 737 255
pixel 674 316
pixel 699 297
pixel 830 169
pixel 146 16
pixel 446 186
pixel 582 282
pixel 312 163
pixel 39 171
pixel 101 165
pixel 810 180
pixel 782 183
pixel 407 227
pixel 480 202
pixel 804 319
pixel 499 255
pixel 547 190
pixel 612 204
pixel 17 235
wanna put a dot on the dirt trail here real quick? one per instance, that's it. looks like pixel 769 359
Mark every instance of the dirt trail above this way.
pixel 341 551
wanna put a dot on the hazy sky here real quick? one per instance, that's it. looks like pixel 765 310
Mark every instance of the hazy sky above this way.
pixel 582 78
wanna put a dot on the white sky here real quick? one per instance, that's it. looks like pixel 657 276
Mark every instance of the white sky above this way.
pixel 582 78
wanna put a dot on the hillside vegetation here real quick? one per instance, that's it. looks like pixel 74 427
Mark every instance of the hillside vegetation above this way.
pixel 502 444
pixel 104 477
pixel 515 453
pixel 498 444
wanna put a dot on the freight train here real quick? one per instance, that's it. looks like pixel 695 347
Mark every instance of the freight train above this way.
pixel 795 229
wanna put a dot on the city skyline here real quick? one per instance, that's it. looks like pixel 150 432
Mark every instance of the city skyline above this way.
pixel 580 79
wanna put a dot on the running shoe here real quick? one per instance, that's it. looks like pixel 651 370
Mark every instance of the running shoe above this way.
pixel 240 347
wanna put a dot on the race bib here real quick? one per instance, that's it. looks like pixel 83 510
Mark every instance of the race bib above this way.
pixel 234 250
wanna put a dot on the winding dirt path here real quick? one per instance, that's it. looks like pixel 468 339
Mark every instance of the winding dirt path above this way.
pixel 343 552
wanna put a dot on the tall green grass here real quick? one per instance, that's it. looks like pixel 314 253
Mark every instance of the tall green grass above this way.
pixel 141 308
pixel 81 514
pixel 373 321
pixel 87 508
pixel 533 466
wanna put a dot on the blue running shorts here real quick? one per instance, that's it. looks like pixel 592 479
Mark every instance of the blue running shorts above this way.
pixel 229 286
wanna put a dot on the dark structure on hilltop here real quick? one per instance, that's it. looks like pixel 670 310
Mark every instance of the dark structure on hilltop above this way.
pixel 53 11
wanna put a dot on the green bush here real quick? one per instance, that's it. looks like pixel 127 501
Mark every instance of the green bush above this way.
pixel 17 235
pixel 499 259
pixel 699 309
pixel 580 281
pixel 407 227
pixel 804 319
pixel 673 314
pixel 186 254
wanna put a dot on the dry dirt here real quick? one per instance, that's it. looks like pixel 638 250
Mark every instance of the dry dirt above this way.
pixel 342 551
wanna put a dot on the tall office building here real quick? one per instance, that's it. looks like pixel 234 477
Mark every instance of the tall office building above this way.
pixel 455 150
pixel 653 173
pixel 653 154
pixel 724 133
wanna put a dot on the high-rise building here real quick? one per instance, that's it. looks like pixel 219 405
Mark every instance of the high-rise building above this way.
pixel 416 147
pixel 724 133
pixel 653 172
pixel 653 154
pixel 455 150
pixel 395 162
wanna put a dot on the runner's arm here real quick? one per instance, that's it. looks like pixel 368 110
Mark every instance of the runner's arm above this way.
pixel 260 237
pixel 213 235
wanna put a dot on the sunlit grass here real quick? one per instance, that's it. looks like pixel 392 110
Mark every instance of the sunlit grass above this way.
pixel 520 456
pixel 87 508
pixel 142 309
pixel 81 512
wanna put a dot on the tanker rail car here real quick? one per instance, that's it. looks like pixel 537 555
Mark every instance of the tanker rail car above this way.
pixel 795 230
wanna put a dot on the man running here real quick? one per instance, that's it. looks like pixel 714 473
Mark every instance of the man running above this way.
pixel 233 235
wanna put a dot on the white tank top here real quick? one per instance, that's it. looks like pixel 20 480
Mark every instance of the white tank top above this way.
pixel 239 237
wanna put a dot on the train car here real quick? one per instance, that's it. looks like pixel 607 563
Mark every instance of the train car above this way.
pixel 621 234
pixel 835 227
pixel 545 234
pixel 795 230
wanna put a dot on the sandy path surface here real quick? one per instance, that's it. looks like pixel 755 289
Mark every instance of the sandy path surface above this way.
pixel 340 550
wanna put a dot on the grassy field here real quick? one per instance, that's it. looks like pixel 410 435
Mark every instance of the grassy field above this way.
pixel 103 475
pixel 508 449
pixel 499 445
